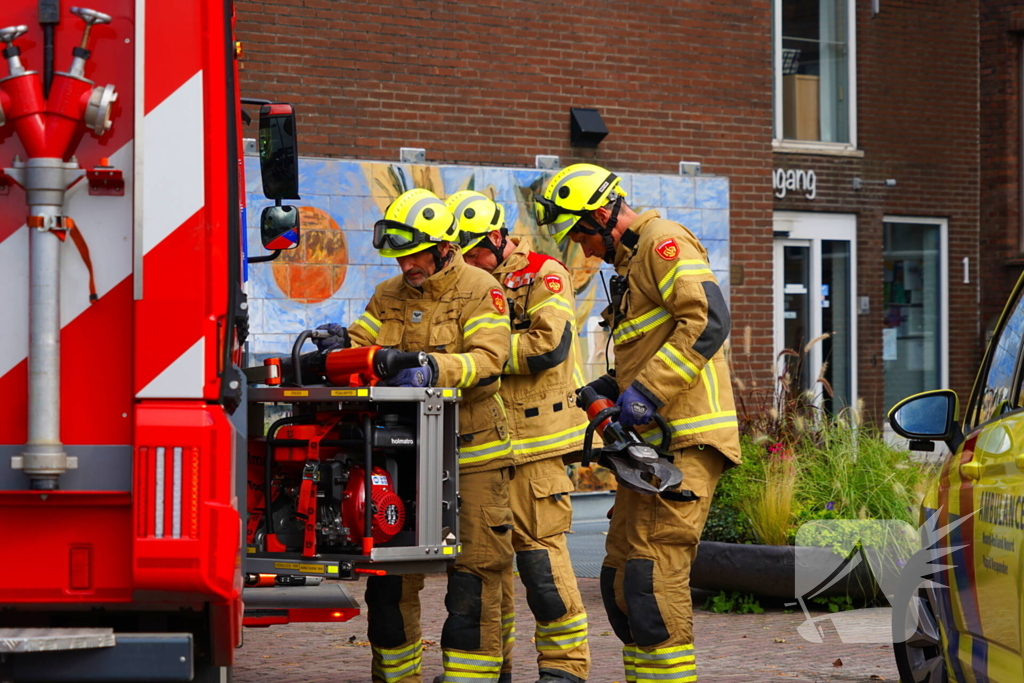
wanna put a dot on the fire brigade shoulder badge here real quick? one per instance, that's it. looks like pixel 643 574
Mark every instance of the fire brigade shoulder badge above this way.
pixel 554 283
pixel 668 250
pixel 498 299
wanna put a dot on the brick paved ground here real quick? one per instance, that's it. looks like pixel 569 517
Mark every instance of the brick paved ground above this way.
pixel 730 648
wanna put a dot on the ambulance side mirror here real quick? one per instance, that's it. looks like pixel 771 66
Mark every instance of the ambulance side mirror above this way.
pixel 927 417
pixel 279 152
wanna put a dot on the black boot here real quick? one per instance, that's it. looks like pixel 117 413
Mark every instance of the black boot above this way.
pixel 549 677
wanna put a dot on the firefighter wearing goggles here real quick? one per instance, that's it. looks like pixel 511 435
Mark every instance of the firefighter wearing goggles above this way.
pixel 669 326
pixel 538 388
pixel 459 316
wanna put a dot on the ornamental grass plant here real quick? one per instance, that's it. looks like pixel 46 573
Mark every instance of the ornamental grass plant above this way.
pixel 802 463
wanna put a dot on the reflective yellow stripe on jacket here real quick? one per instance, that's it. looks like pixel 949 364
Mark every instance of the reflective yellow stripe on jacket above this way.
pixel 710 380
pixel 476 453
pixel 371 324
pixel 468 364
pixel 480 322
pixel 697 424
pixel 538 444
pixel 675 360
pixel 632 329
pixel 556 302
pixel 684 267
pixel 513 359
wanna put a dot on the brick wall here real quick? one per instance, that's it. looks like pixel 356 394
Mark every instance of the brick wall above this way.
pixel 918 122
pixel 491 83
pixel 1001 32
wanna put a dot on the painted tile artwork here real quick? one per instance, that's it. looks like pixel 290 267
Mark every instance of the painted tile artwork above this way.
pixel 331 275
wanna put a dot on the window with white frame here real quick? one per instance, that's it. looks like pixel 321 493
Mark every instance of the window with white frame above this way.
pixel 815 82
pixel 915 308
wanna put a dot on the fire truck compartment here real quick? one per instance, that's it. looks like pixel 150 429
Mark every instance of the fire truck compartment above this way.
pixel 58 655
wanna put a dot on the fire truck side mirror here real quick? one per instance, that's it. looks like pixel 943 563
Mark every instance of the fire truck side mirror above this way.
pixel 279 153
pixel 279 227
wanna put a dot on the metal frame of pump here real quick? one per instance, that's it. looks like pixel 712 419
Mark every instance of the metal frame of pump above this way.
pixel 49 127
pixel 430 465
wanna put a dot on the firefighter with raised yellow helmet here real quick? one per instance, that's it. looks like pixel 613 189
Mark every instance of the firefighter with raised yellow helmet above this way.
pixel 459 316
pixel 539 390
pixel 669 322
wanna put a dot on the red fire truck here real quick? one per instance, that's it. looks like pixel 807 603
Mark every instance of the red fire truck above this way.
pixel 126 422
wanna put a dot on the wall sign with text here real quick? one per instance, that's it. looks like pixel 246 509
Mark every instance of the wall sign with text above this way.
pixel 785 181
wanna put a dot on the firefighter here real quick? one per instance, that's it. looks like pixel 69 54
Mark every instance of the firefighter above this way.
pixel 539 389
pixel 669 322
pixel 459 316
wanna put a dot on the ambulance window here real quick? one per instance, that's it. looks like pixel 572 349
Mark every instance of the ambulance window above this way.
pixel 998 394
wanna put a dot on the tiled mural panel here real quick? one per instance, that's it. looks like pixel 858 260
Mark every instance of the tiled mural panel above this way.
pixel 332 274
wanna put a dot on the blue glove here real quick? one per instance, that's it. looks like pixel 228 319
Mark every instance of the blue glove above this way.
pixel 412 377
pixel 338 338
pixel 637 409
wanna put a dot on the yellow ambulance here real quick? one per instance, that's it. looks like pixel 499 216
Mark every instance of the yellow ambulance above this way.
pixel 969 617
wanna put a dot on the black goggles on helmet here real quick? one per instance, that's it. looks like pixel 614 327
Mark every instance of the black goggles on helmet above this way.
pixel 395 235
pixel 467 237
pixel 549 211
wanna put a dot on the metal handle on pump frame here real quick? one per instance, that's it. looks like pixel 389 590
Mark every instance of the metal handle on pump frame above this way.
pixel 368 486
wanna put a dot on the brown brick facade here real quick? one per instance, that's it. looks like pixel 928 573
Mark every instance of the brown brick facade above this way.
pixel 1001 33
pixel 917 122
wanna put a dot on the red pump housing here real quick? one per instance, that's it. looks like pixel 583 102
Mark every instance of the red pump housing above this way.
pixel 388 509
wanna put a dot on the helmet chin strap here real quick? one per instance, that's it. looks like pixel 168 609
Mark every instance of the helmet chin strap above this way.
pixel 605 231
pixel 497 250
pixel 439 261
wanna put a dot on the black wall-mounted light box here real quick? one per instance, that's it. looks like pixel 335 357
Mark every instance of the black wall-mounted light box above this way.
pixel 586 128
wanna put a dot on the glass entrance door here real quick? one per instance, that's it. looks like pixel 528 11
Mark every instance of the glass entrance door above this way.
pixel 794 256
pixel 814 298
pixel 914 335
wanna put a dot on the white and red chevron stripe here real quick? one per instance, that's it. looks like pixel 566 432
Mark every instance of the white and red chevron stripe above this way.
pixel 171 228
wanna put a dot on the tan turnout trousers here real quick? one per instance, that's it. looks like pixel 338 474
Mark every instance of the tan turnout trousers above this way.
pixel 539 498
pixel 651 545
pixel 472 636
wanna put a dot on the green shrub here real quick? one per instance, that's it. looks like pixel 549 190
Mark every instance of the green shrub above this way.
pixel 728 525
pixel 838 471
pixel 740 603
pixel 838 604
pixel 802 464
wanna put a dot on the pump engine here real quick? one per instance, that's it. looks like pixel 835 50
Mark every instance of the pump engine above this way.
pixel 316 473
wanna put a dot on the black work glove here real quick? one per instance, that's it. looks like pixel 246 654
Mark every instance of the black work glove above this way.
pixel 338 338
pixel 604 385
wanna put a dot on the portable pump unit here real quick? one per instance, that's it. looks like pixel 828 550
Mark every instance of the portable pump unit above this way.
pixel 346 439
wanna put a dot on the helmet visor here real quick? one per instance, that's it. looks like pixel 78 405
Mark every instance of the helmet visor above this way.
pixel 394 235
